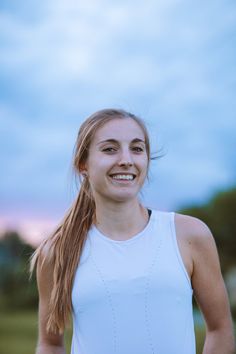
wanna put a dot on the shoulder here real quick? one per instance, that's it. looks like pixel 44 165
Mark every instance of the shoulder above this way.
pixel 193 227
pixel 196 233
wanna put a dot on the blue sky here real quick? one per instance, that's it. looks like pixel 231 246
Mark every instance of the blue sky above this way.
pixel 172 62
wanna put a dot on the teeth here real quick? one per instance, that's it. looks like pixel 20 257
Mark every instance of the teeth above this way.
pixel 127 177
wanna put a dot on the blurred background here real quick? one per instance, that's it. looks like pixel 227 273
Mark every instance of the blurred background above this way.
pixel 170 62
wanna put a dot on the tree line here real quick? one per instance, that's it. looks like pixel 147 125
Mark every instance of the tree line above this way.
pixel 18 292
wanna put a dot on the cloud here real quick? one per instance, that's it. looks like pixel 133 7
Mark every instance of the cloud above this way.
pixel 169 61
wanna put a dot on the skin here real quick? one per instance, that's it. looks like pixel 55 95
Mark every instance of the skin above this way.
pixel 118 212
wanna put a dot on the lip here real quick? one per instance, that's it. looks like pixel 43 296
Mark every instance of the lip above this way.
pixel 120 181
pixel 123 173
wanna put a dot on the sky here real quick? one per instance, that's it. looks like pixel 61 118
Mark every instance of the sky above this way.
pixel 171 62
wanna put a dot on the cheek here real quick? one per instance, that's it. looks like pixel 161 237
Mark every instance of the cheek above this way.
pixel 145 170
pixel 144 164
pixel 97 167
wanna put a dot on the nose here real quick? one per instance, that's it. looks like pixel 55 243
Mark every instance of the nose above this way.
pixel 125 159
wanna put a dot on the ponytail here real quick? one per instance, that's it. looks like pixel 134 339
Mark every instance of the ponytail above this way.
pixel 63 250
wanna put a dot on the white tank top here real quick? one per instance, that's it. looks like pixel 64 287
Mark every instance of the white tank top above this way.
pixel 133 296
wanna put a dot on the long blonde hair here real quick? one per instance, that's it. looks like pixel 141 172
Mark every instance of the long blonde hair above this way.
pixel 66 243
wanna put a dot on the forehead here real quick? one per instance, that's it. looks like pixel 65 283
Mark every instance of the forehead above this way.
pixel 125 129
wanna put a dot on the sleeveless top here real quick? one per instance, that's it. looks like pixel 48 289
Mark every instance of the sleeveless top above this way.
pixel 133 296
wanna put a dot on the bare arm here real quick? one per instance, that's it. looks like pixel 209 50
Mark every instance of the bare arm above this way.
pixel 48 343
pixel 210 292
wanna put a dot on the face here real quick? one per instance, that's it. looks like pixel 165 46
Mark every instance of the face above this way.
pixel 117 161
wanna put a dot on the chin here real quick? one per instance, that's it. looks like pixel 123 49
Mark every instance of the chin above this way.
pixel 123 197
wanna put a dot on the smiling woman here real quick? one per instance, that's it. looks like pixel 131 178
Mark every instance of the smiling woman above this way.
pixel 124 272
pixel 117 163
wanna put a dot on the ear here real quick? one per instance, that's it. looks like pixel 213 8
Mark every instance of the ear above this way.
pixel 83 169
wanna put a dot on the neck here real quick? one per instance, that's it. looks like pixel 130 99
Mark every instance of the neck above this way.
pixel 121 220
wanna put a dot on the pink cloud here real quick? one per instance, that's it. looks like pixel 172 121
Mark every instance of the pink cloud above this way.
pixel 32 230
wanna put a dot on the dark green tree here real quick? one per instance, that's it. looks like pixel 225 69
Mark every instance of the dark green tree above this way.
pixel 219 214
pixel 16 291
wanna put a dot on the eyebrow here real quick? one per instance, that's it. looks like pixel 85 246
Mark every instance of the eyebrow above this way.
pixel 136 140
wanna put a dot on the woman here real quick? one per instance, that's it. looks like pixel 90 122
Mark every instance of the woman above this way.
pixel 126 273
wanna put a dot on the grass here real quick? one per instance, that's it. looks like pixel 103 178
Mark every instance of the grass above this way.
pixel 18 334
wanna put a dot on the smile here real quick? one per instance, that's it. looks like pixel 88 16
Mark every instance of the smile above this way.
pixel 124 177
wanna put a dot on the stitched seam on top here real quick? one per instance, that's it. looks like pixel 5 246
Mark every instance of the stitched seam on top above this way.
pixel 110 302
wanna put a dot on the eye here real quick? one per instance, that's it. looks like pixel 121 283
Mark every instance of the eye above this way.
pixel 137 149
pixel 109 149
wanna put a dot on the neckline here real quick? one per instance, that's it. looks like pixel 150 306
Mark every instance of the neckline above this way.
pixel 129 240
